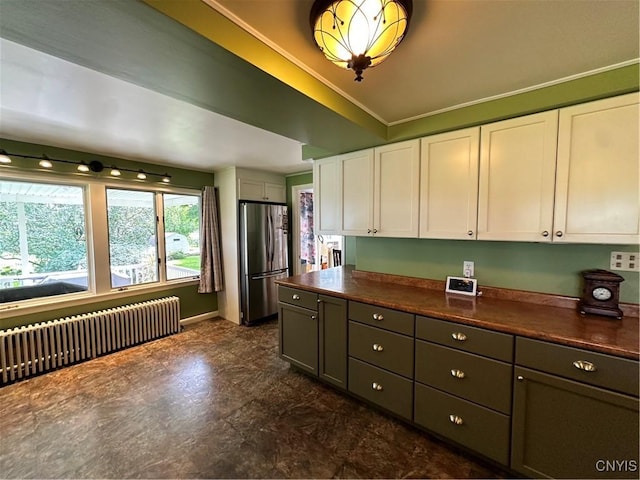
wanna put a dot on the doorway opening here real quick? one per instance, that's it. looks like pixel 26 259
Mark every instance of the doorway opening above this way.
pixel 312 252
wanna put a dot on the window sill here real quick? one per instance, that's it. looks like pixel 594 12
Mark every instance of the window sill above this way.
pixel 86 298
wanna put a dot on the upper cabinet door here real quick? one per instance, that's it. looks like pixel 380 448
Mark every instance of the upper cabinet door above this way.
pixel 449 184
pixel 274 192
pixel 396 194
pixel 356 170
pixel 597 173
pixel 517 173
pixel 327 187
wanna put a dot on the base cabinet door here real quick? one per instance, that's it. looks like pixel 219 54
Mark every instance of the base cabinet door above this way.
pixel 299 337
pixel 566 429
pixel 332 314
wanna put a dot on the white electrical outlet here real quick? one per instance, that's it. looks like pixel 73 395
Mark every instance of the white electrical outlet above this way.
pixel 625 261
pixel 467 269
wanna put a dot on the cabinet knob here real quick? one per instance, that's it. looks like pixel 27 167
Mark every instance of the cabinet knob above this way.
pixel 470 233
pixel 378 316
pixel 377 347
pixel 375 230
pixel 545 233
pixel 584 366
pixel 295 296
pixel 368 230
pixel 456 420
pixel 376 386
pixel 520 378
pixel 457 373
pixel 313 317
pixel 459 336
pixel 559 233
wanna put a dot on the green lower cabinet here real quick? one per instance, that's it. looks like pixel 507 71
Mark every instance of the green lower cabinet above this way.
pixel 332 314
pixel 567 429
pixel 478 428
pixel 299 337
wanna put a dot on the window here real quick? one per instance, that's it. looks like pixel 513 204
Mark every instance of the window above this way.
pixel 46 248
pixel 133 250
pixel 43 244
pixel 182 235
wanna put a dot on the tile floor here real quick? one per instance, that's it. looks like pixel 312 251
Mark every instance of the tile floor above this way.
pixel 214 401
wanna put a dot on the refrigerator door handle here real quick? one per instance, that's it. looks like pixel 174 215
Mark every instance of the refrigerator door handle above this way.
pixel 260 276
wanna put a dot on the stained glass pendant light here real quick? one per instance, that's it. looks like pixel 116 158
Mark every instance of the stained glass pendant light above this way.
pixel 358 34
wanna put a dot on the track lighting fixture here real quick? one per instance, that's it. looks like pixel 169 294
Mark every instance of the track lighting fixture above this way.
pixel 4 158
pixel 94 166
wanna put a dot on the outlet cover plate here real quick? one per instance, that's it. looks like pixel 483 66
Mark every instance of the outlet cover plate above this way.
pixel 625 261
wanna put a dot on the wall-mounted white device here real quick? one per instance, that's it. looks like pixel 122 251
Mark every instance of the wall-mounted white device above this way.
pixel 462 285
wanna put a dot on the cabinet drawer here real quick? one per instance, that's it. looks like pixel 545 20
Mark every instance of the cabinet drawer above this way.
pixel 476 427
pixel 470 339
pixel 380 317
pixel 597 369
pixel 479 379
pixel 388 350
pixel 297 297
pixel 388 390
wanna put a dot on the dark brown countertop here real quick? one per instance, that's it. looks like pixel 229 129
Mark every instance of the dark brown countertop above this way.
pixel 540 317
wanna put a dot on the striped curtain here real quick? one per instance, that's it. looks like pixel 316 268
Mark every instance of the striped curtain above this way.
pixel 210 262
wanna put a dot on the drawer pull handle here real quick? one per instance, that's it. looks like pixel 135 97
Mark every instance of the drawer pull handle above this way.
pixel 378 316
pixel 376 386
pixel 296 296
pixel 584 366
pixel 456 420
pixel 377 347
pixel 457 373
pixel 459 336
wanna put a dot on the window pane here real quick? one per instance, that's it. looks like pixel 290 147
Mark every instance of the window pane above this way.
pixel 182 235
pixel 43 246
pixel 132 237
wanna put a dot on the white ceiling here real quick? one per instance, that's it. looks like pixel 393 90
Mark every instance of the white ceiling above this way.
pixel 456 52
pixel 51 101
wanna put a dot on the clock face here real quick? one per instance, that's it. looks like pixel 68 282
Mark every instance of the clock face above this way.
pixel 601 293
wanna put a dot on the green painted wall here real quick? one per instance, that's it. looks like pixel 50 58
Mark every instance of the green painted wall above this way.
pixel 539 267
pixel 191 302
pixel 601 85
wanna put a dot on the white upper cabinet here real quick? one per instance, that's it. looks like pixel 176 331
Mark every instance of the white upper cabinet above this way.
pixel 380 191
pixel 517 173
pixel 449 184
pixel 597 197
pixel 327 187
pixel 356 171
pixel 261 186
pixel 396 193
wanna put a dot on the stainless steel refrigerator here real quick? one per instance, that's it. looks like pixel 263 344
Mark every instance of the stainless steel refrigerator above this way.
pixel 263 258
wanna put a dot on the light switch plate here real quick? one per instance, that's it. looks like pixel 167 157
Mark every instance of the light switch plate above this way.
pixel 625 261
pixel 462 285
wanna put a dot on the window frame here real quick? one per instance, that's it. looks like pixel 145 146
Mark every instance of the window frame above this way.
pixel 97 237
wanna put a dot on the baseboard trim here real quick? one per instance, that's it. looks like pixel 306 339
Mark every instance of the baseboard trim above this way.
pixel 199 318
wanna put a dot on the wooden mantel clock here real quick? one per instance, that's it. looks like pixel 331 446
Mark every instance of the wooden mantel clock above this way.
pixel 601 293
